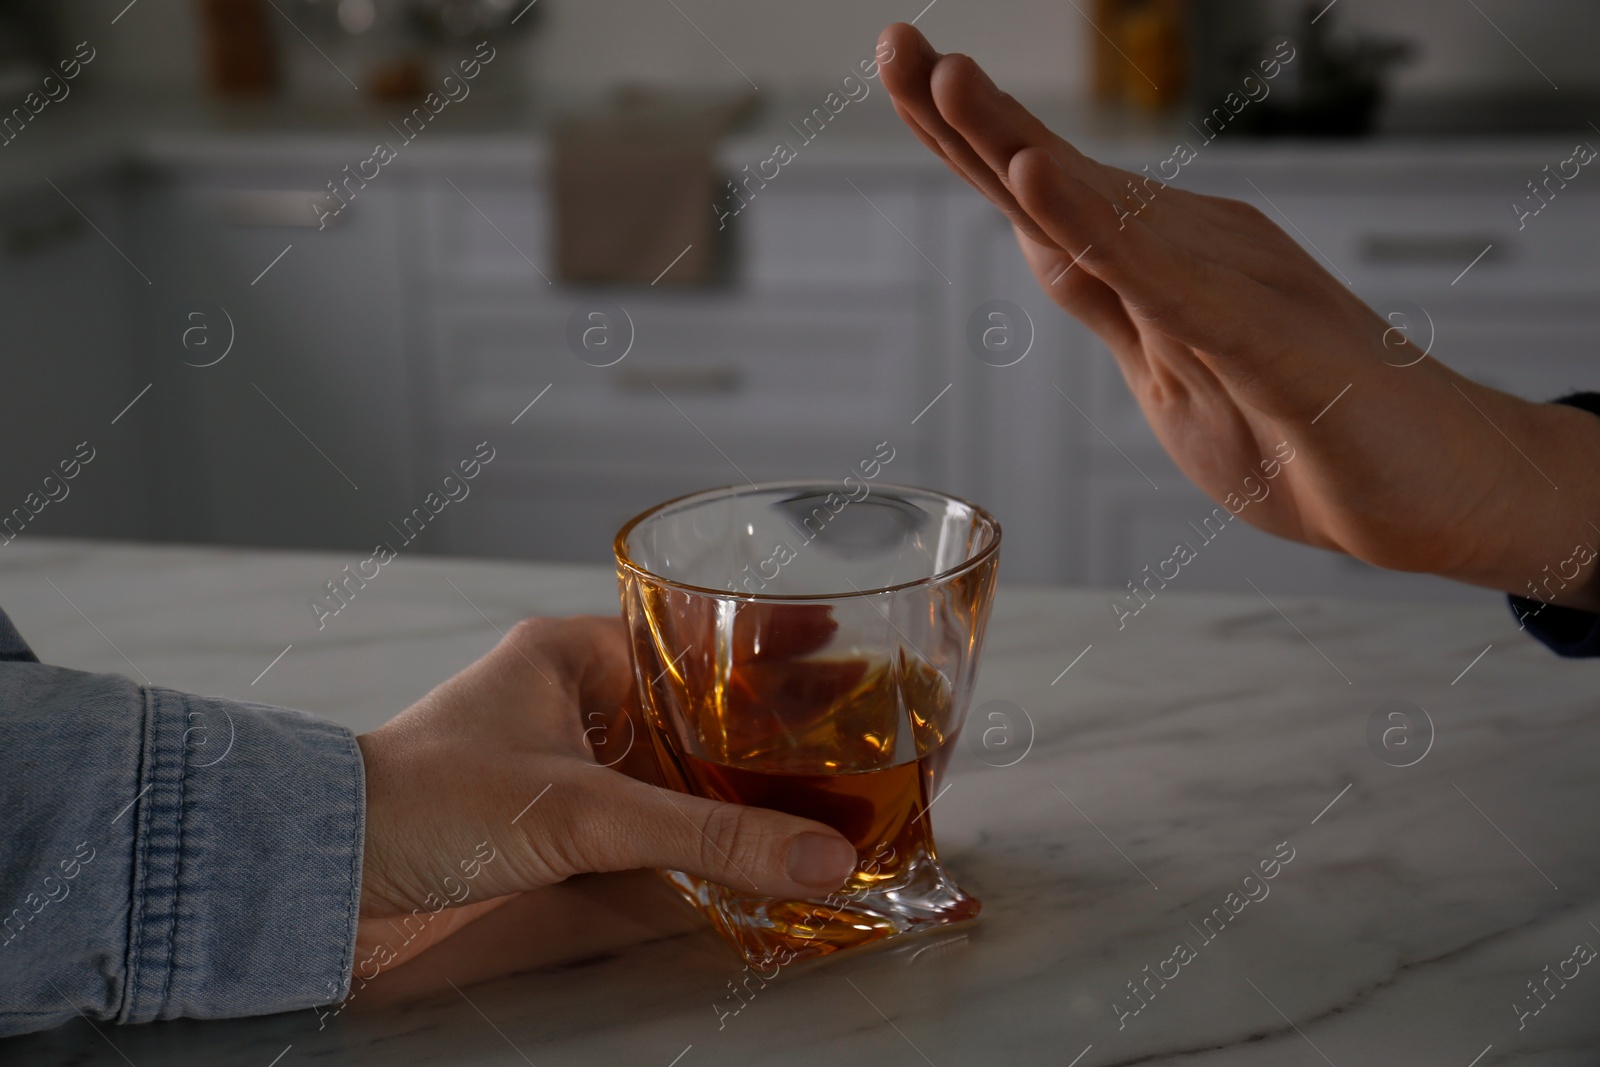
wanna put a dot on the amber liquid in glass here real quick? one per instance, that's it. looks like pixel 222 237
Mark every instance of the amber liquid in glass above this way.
pixel 857 745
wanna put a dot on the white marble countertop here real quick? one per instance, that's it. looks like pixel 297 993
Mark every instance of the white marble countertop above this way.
pixel 1212 733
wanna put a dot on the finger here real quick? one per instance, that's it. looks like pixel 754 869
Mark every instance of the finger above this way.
pixel 907 64
pixel 907 76
pixel 1247 334
pixel 1189 298
pixel 1232 232
pixel 618 737
pixel 1147 360
pixel 592 651
pixel 995 127
pixel 750 850
pixel 586 653
pixel 921 134
pixel 1091 301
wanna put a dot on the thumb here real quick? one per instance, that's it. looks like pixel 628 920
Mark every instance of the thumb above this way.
pixel 749 850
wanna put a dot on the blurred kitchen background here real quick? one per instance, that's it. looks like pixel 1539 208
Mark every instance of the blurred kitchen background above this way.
pixel 250 369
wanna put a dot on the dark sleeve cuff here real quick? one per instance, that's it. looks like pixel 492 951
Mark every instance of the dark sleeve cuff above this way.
pixel 1565 631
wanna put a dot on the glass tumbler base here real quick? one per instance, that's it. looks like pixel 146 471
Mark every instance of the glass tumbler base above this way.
pixel 767 931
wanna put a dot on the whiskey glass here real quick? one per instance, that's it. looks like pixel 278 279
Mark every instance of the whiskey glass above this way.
pixel 812 647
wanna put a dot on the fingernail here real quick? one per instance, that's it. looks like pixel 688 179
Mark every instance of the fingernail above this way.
pixel 819 860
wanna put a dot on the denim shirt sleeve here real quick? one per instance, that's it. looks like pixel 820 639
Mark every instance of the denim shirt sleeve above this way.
pixel 1564 631
pixel 168 855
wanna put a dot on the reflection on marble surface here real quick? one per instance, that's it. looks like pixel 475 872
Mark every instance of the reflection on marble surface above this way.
pixel 1172 764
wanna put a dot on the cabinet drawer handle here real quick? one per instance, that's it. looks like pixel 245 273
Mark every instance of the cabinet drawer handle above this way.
pixel 1396 249
pixel 275 207
pixel 711 379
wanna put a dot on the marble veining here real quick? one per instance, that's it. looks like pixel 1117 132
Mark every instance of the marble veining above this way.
pixel 1167 764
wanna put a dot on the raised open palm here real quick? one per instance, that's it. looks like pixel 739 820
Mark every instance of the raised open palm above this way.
pixel 1235 342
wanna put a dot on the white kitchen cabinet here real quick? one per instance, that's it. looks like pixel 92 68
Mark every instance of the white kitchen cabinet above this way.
pixel 72 363
pixel 1020 447
pixel 472 232
pixel 830 234
pixel 1132 527
pixel 798 366
pixel 300 436
pixel 371 357
pixel 1521 343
